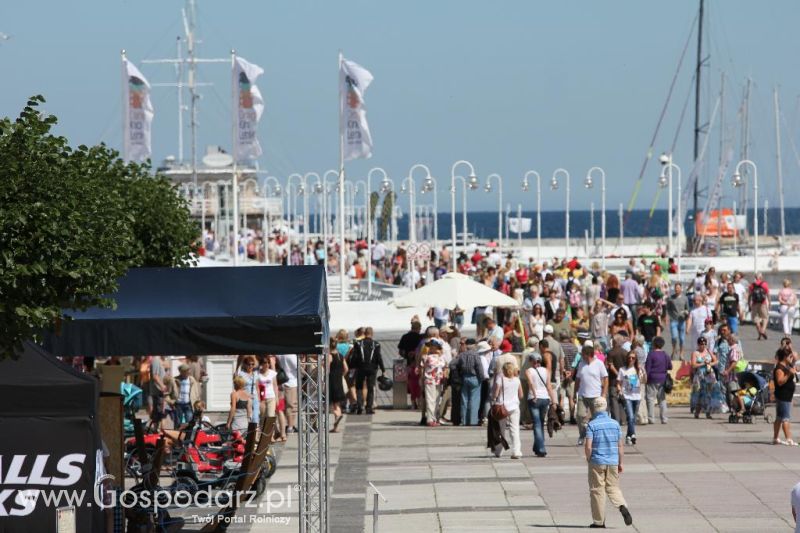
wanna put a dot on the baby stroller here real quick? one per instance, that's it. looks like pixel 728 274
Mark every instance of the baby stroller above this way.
pixel 748 396
pixel 131 403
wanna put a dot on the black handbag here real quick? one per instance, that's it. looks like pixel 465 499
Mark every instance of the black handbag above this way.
pixel 668 384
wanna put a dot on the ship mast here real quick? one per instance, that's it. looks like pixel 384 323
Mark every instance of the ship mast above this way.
pixel 697 127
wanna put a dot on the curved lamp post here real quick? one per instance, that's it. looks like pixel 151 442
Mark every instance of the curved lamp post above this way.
pixel 411 191
pixel 738 181
pixel 665 180
pixel 488 188
pixel 589 183
pixel 554 186
pixel 526 188
pixel 430 185
pixel 472 178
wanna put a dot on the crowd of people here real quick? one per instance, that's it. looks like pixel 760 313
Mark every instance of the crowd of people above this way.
pixel 580 334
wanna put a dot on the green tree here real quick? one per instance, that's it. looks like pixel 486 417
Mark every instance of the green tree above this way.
pixel 72 221
pixel 386 215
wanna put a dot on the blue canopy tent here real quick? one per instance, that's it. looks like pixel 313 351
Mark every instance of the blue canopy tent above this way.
pixel 203 311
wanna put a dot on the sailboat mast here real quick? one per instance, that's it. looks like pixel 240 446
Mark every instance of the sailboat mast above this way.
pixel 779 165
pixel 697 100
pixel 189 26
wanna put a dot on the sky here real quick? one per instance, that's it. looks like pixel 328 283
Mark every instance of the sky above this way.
pixel 510 86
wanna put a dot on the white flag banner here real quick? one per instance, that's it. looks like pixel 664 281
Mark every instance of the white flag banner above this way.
pixel 519 225
pixel 353 82
pixel 249 107
pixel 138 114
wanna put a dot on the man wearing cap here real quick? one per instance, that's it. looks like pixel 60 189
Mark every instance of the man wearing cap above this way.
pixel 604 452
pixel 591 382
pixel 472 371
pixel 185 391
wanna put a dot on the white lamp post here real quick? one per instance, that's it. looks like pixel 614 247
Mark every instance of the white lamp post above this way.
pixel 292 198
pixel 554 186
pixel 471 185
pixel 430 185
pixel 666 181
pixel 472 178
pixel 272 187
pixel 361 186
pixel 525 188
pixel 666 175
pixel 488 188
pixel 411 191
pixel 738 181
pixel 384 188
pixel 306 221
pixel 589 184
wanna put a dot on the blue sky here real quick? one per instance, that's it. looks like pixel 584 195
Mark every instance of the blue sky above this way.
pixel 511 86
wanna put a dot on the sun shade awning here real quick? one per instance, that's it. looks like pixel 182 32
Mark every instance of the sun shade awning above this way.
pixel 203 311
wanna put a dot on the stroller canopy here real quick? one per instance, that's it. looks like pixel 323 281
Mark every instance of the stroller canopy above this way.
pixel 204 311
pixel 754 380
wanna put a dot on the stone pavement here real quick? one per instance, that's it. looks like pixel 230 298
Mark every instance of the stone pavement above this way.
pixel 689 475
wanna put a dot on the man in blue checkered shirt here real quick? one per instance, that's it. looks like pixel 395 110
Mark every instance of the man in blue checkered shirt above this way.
pixel 604 452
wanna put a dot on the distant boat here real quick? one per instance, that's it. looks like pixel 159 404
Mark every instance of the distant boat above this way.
pixel 720 223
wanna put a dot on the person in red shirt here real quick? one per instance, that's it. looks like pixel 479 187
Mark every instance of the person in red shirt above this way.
pixel 522 274
pixel 758 300
pixel 573 264
pixel 476 257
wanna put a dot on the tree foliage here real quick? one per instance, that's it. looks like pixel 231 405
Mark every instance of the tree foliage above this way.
pixel 72 221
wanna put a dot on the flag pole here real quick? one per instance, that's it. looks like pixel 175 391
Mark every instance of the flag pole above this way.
pixel 125 104
pixel 235 181
pixel 342 254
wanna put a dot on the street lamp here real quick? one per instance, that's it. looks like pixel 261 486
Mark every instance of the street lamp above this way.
pixel 472 179
pixel 430 185
pixel 293 192
pixel 665 180
pixel 488 188
pixel 411 191
pixel 554 186
pixel 464 205
pixel 738 181
pixel 272 187
pixel 386 186
pixel 589 183
pixel 305 212
pixel 525 188
pixel 328 206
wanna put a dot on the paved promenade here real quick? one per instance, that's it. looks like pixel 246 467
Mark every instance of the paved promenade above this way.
pixel 689 475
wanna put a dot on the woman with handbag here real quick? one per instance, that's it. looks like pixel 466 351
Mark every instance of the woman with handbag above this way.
pixel 506 395
pixel 540 395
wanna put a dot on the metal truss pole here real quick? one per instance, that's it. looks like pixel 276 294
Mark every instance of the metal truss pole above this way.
pixel 312 427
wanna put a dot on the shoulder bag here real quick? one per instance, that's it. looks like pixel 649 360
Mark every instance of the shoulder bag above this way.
pixel 499 411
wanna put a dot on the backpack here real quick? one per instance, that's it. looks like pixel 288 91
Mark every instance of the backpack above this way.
pixel 759 294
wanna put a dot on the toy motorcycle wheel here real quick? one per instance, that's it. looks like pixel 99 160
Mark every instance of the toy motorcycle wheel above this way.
pixel 270 464
pixel 261 484
pixel 184 483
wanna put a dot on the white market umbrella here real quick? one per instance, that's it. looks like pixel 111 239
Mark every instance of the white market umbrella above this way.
pixel 455 290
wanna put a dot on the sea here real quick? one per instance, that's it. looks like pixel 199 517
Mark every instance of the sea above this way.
pixel 636 223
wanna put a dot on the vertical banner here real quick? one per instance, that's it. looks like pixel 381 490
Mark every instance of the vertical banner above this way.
pixel 138 114
pixel 249 107
pixel 353 82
